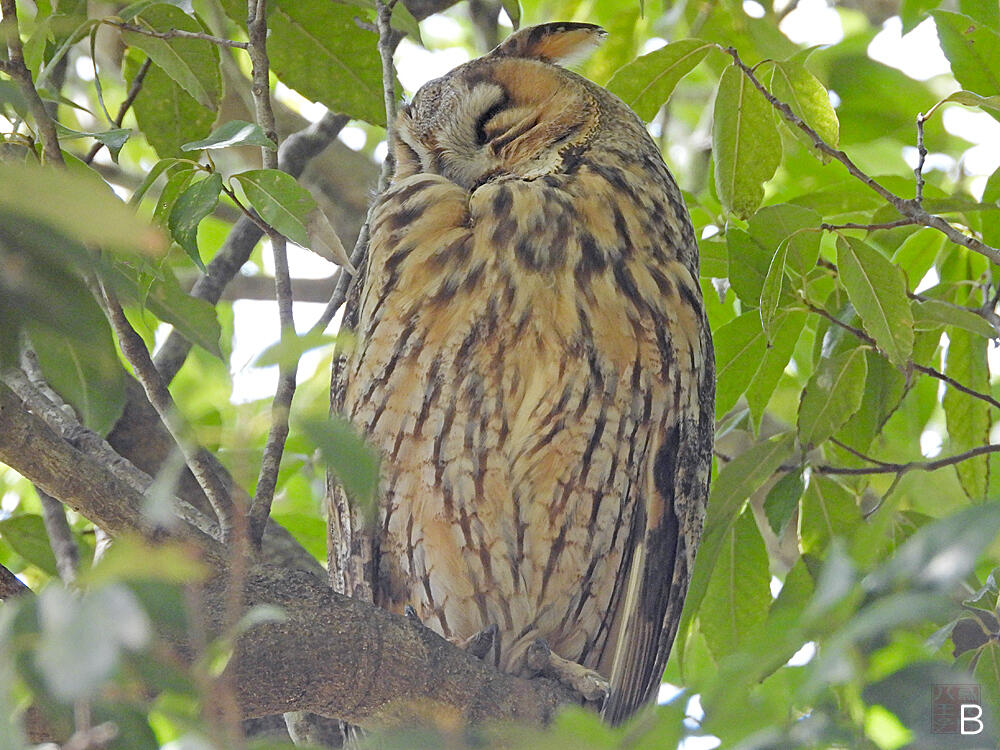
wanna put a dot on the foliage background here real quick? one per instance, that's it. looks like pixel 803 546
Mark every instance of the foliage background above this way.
pixel 853 343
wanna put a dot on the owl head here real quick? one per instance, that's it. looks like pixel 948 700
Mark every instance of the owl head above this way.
pixel 514 111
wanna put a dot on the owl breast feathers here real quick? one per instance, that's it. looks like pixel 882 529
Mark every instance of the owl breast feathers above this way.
pixel 533 361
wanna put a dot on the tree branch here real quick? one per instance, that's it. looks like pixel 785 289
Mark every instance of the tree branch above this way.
pixel 281 405
pixel 887 468
pixel 11 585
pixel 130 97
pixel 197 459
pixel 911 209
pixel 177 34
pixel 331 654
pixel 18 70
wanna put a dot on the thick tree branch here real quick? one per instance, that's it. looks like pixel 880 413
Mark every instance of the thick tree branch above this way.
pixel 11 585
pixel 331 655
pixel 911 209
pixel 29 446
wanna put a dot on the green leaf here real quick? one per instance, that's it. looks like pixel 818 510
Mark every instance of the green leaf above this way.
pixel 739 347
pixel 745 143
pixel 770 294
pixel 832 395
pixel 167 115
pixel 968 418
pixel 646 83
pixel 736 482
pixel 885 387
pixel 932 313
pixel 133 559
pixel 195 319
pixel 738 595
pixel 782 500
pixel 280 200
pixel 788 327
pixel 192 63
pixel 193 205
pixel 289 350
pixel 513 8
pixel 986 12
pixel 177 183
pixel 27 536
pixel 972 49
pixel 828 511
pixel 940 554
pixel 753 259
pixel 970 99
pixel 84 370
pixel 877 289
pixel 808 98
pixel 352 460
pixel 114 139
pixel 233 133
pixel 317 48
pixel 159 168
pixel 68 201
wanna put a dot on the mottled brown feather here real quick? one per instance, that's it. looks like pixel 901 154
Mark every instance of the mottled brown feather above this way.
pixel 533 360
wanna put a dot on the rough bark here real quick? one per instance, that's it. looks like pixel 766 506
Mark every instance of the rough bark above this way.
pixel 332 655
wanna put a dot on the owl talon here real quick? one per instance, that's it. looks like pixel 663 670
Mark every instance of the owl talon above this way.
pixel 590 685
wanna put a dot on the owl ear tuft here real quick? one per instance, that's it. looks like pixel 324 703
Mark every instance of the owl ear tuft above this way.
pixel 561 43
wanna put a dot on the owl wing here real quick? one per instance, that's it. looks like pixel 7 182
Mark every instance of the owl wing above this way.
pixel 667 523
pixel 664 538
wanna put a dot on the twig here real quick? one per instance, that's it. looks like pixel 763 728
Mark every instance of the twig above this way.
pixel 195 456
pixel 11 585
pixel 16 68
pixel 858 453
pixel 868 227
pixel 267 478
pixel 177 34
pixel 60 535
pixel 858 333
pixel 909 208
pixel 956 385
pixel 133 92
pixel 886 468
pixel 383 16
pixel 918 171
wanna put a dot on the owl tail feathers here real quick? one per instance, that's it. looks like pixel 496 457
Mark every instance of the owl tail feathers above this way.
pixel 561 43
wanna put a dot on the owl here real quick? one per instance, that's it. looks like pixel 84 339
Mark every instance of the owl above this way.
pixel 532 359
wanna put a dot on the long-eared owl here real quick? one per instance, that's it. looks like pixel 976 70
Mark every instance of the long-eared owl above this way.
pixel 533 361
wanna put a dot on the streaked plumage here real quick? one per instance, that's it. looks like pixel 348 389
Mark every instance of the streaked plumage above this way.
pixel 533 360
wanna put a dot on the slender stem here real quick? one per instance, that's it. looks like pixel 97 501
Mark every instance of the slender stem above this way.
pixel 177 34
pixel 267 478
pixel 130 97
pixel 908 208
pixel 60 535
pixel 16 68
pixel 868 227
pixel 918 171
pixel 383 16
pixel 858 333
pixel 195 456
pixel 886 468
pixel 858 453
